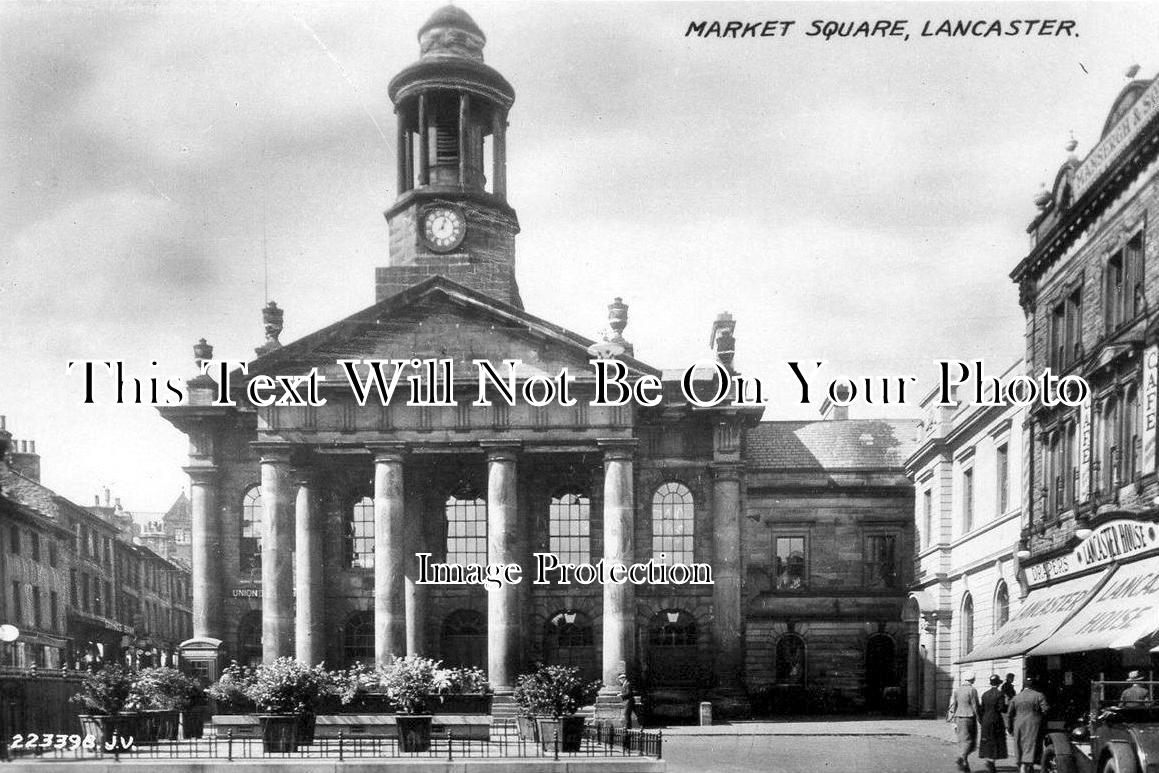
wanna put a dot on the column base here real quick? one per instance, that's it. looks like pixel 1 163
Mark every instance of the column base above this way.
pixel 730 703
pixel 610 709
pixel 503 704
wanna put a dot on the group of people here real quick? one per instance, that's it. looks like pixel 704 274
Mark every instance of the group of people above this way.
pixel 982 722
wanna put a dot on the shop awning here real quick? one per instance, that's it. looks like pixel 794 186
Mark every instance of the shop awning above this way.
pixel 1041 614
pixel 1125 610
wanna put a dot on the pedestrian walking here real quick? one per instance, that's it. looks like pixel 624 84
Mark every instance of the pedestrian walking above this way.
pixel 1008 689
pixel 628 696
pixel 963 714
pixel 992 726
pixel 1024 720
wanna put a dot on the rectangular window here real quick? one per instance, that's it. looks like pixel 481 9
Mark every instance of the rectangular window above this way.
pixel 84 593
pixel 52 556
pixel 35 538
pixel 36 607
pixel 881 561
pixel 53 610
pixel 790 563
pixel 928 517
pixel 1057 332
pixel 108 599
pixel 967 500
pixel 1074 328
pixel 1003 477
pixel 72 587
pixel 14 541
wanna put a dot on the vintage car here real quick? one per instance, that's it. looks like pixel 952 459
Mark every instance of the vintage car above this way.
pixel 1118 735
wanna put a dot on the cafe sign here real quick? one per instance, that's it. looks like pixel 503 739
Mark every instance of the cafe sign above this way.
pixel 1110 542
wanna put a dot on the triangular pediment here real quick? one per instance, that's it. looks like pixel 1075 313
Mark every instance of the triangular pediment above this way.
pixel 443 320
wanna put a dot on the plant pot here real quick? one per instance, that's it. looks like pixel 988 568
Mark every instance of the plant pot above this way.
pixel 569 729
pixel 414 732
pixel 280 732
pixel 193 722
pixel 103 727
pixel 527 728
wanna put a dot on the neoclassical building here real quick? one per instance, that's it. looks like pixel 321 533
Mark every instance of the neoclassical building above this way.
pixel 307 519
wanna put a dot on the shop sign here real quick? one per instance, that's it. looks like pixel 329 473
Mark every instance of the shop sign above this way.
pixel 1125 129
pixel 246 593
pixel 1110 542
pixel 1085 450
pixel 1150 404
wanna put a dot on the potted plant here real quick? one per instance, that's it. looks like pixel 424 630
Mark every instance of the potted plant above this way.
pixel 359 690
pixel 104 694
pixel 525 720
pixel 167 697
pixel 409 682
pixel 553 694
pixel 228 693
pixel 286 694
pixel 462 691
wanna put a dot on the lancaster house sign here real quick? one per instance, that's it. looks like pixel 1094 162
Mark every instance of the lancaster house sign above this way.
pixel 1112 541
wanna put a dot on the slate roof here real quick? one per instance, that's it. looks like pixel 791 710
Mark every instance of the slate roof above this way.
pixel 35 496
pixel 855 444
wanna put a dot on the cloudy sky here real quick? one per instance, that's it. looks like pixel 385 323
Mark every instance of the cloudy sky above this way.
pixel 855 201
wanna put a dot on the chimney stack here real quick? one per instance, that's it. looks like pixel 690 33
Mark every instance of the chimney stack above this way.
pixel 22 456
pixel 836 411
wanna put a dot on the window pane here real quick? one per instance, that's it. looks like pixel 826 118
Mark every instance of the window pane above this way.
pixel 568 528
pixel 466 515
pixel 673 524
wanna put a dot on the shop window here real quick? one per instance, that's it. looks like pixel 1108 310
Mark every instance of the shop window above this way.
pixel 569 528
pixel 466 514
pixel 250 548
pixel 673 524
pixel 360 535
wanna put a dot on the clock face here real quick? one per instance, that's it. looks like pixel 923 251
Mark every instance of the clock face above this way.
pixel 444 228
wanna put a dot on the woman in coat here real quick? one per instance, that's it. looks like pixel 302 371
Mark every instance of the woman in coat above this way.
pixel 992 726
pixel 1024 719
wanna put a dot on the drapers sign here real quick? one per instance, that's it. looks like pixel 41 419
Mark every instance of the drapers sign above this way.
pixel 1085 450
pixel 1112 541
pixel 1150 400
pixel 1120 135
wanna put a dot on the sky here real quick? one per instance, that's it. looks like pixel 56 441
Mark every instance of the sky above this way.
pixel 167 167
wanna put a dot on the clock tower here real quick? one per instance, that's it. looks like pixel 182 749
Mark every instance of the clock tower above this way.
pixel 451 216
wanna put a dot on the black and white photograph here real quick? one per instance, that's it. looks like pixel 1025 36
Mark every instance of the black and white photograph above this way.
pixel 585 387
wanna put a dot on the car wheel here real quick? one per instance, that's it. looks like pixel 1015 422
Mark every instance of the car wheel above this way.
pixel 1049 760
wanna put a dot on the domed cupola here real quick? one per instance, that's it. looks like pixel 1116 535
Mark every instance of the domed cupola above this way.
pixel 452 216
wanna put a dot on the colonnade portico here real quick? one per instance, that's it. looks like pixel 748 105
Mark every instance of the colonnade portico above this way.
pixel 292 598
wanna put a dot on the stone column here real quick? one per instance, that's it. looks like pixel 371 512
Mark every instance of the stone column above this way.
pixel 619 509
pixel 928 647
pixel 309 628
pixel 389 567
pixel 913 673
pixel 207 569
pixel 726 593
pixel 416 595
pixel 502 544
pixel 277 553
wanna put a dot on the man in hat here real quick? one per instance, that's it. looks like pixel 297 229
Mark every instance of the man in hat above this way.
pixel 1024 719
pixel 1136 694
pixel 628 696
pixel 964 714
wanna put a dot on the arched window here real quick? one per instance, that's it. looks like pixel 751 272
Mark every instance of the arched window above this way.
pixel 249 638
pixel 1131 441
pixel 673 628
pixel 464 639
pixel 360 535
pixel 569 640
pixel 250 548
pixel 673 524
pixel 790 665
pixel 569 528
pixel 966 625
pixel 1001 605
pixel 466 514
pixel 358 637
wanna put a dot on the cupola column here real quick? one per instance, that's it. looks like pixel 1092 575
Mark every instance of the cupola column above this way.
pixel 499 153
pixel 405 176
pixel 464 138
pixel 424 155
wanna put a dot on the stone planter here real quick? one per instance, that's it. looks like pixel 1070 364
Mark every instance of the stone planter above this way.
pixel 103 727
pixel 414 732
pixel 569 730
pixel 163 725
pixel 280 732
pixel 527 728
pixel 193 722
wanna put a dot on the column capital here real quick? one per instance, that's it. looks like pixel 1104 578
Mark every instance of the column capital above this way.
pixel 202 475
pixel 618 449
pixel 387 450
pixel 273 451
pixel 304 474
pixel 501 450
pixel 726 470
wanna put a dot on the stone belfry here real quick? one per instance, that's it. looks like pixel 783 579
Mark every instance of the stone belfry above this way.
pixel 451 216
